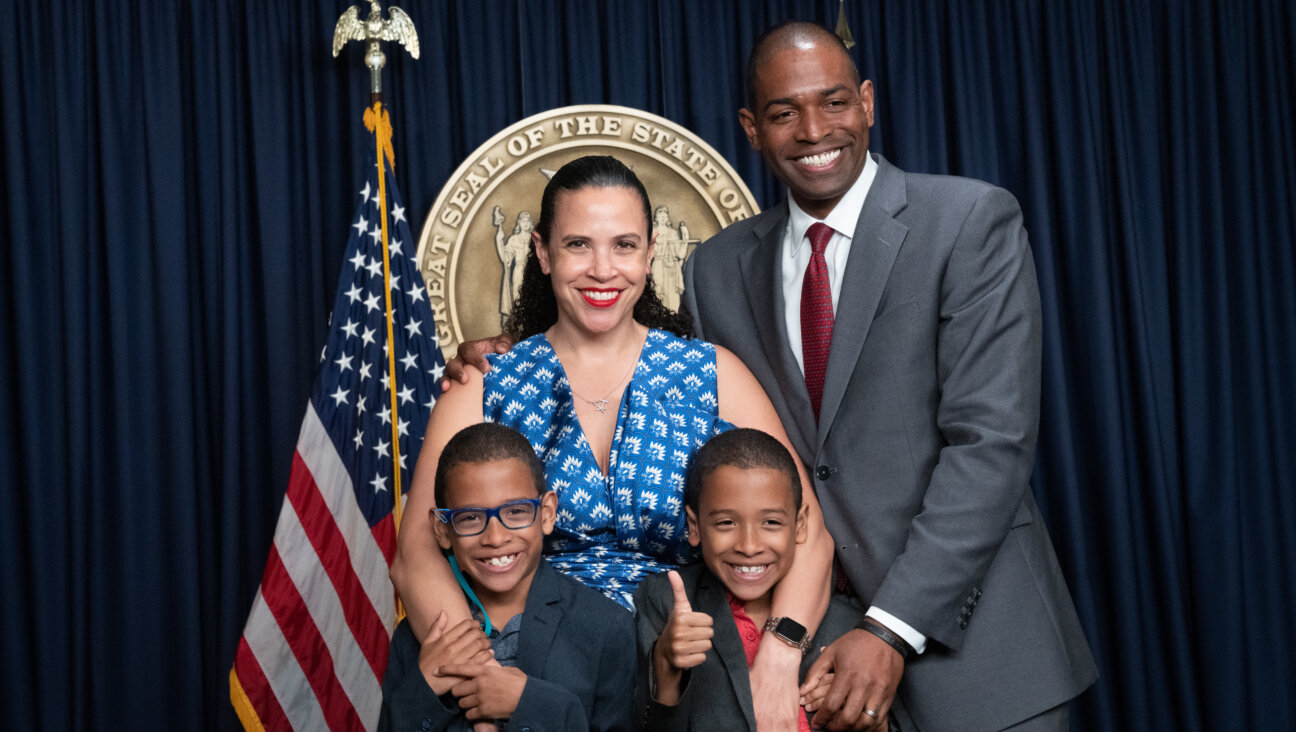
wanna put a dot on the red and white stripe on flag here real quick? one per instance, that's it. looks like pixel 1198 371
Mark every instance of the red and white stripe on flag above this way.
pixel 314 647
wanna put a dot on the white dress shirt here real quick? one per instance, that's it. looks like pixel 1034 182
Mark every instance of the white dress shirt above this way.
pixel 796 256
pixel 796 250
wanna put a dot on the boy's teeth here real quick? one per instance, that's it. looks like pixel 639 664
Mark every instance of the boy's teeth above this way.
pixel 749 570
pixel 821 158
pixel 501 561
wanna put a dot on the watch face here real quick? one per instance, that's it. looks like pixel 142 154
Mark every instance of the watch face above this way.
pixel 790 629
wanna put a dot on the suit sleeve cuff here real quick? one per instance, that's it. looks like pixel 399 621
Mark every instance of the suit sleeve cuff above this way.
pixel 662 716
pixel 413 703
pixel 915 639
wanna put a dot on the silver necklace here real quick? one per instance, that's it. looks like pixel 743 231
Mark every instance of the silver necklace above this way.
pixel 601 404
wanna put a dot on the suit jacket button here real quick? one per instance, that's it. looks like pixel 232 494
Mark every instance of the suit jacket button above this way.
pixel 822 472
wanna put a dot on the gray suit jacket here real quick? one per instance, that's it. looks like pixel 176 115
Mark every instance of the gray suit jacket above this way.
pixel 925 444
pixel 574 646
pixel 717 696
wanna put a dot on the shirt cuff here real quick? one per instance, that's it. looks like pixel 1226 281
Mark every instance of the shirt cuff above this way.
pixel 899 627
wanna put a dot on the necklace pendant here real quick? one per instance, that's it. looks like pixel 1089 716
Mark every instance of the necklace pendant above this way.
pixel 600 405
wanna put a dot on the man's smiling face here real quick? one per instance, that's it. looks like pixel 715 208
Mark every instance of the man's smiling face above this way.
pixel 810 122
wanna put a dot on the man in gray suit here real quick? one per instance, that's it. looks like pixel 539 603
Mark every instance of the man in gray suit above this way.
pixel 910 388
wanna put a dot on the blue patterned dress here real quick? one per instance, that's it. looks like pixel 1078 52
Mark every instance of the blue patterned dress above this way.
pixel 613 530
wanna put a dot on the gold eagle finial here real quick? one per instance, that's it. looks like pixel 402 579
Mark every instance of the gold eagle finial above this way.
pixel 398 28
pixel 373 31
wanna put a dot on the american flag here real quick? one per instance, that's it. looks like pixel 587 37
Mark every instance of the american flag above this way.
pixel 314 648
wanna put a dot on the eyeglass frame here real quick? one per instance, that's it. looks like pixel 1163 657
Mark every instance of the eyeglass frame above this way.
pixel 447 515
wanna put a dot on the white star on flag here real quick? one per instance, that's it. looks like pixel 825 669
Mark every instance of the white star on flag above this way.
pixel 315 643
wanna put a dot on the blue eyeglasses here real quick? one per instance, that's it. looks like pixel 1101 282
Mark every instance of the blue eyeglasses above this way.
pixel 514 515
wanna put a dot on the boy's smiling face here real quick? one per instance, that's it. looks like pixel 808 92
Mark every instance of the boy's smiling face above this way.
pixel 499 562
pixel 748 527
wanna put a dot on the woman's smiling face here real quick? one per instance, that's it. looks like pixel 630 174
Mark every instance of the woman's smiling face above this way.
pixel 598 256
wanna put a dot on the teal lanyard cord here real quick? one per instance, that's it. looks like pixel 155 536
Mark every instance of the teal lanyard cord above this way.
pixel 454 567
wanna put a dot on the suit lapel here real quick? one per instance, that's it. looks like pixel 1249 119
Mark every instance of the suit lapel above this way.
pixel 877 240
pixel 540 620
pixel 760 269
pixel 727 645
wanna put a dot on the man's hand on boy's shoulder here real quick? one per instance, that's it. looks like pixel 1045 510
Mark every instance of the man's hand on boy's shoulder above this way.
pixel 465 643
pixel 487 691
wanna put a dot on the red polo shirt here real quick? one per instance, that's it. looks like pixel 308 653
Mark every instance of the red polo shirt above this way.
pixel 751 637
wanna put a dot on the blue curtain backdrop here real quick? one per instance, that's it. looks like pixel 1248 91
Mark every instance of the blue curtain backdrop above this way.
pixel 175 180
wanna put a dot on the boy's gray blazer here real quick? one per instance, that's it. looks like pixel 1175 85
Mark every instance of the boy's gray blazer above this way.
pixel 717 696
pixel 923 450
pixel 575 646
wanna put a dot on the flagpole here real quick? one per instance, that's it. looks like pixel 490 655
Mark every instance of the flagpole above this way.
pixel 373 31
pixel 381 126
pixel 315 643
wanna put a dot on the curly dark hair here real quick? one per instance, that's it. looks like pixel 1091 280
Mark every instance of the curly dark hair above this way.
pixel 536 308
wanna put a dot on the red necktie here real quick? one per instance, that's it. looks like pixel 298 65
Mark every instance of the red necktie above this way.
pixel 816 314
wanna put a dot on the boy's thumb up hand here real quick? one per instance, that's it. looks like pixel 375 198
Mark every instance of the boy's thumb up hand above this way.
pixel 681 597
pixel 686 638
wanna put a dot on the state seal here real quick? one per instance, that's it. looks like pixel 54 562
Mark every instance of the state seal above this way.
pixel 477 235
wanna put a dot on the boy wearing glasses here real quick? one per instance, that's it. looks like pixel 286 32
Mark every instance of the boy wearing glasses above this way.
pixel 543 651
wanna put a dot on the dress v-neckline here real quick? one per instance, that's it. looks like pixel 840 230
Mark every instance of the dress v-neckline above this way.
pixel 621 405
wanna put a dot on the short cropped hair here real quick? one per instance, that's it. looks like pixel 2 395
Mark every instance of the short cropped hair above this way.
pixel 486 442
pixel 785 35
pixel 745 449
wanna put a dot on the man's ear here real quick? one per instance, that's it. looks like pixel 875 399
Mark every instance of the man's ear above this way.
pixel 441 530
pixel 694 533
pixel 803 524
pixel 542 252
pixel 548 512
pixel 748 122
pixel 866 100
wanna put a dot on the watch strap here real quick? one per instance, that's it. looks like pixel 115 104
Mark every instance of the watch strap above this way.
pixel 900 645
pixel 771 625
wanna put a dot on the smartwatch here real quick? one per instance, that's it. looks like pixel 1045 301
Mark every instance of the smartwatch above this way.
pixel 790 632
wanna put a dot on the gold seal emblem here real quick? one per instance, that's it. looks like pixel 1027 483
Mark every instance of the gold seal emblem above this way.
pixel 477 235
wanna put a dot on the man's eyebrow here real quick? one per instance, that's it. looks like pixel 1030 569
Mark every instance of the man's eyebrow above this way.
pixel 791 100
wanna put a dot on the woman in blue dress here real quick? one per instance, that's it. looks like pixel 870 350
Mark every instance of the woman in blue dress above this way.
pixel 616 397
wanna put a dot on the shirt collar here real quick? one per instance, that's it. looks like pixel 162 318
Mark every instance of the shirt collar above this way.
pixel 844 216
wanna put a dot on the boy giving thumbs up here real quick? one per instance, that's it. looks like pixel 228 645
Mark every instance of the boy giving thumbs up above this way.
pixel 699 628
